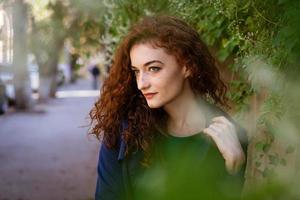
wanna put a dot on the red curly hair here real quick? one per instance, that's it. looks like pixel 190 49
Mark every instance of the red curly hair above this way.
pixel 120 98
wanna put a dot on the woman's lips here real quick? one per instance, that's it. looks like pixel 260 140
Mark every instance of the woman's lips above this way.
pixel 149 95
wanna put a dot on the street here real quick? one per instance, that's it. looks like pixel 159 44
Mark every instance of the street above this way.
pixel 47 154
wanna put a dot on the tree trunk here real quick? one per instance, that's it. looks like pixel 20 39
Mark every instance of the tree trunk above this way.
pixel 48 74
pixel 21 76
pixel 47 53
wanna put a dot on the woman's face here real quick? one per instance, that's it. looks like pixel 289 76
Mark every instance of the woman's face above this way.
pixel 158 75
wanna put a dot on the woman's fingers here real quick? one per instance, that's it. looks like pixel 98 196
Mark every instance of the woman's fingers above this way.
pixel 221 119
pixel 223 133
pixel 225 122
pixel 214 132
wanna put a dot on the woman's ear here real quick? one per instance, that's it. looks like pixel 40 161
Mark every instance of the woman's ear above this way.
pixel 186 71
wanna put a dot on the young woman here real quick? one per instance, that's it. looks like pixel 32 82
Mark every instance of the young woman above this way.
pixel 159 110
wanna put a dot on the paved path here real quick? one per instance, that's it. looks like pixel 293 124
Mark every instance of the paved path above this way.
pixel 48 155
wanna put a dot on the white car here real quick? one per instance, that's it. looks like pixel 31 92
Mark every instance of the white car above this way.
pixel 7 90
pixel 33 70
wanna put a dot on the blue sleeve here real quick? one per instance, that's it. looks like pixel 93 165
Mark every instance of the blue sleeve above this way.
pixel 109 181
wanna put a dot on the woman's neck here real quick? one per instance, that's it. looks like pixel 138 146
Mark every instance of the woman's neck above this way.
pixel 186 115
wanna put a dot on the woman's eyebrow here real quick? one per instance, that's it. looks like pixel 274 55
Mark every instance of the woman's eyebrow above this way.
pixel 149 63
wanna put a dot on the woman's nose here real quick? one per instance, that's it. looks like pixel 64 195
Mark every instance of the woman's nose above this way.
pixel 143 81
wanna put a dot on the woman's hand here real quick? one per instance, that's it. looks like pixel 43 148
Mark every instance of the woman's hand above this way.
pixel 223 133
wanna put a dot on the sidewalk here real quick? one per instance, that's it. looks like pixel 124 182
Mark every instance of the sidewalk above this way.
pixel 49 155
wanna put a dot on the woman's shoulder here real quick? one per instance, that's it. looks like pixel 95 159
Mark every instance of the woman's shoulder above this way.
pixel 215 111
pixel 119 152
pixel 116 152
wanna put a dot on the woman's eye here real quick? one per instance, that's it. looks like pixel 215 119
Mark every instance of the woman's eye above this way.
pixel 154 69
pixel 135 72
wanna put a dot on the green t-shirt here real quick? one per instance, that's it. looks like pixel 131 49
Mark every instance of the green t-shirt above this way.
pixel 187 168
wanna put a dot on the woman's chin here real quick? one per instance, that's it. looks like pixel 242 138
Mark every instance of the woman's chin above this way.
pixel 153 105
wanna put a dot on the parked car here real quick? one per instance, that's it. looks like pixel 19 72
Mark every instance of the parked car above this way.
pixel 7 90
pixel 34 78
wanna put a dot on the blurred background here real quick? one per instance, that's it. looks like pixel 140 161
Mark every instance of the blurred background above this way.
pixel 55 54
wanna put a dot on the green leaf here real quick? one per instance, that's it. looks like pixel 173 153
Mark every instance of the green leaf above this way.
pixel 266 147
pixel 223 54
pixel 289 149
pixel 283 162
pixel 259 146
pixel 268 172
pixel 274 160
pixel 257 164
pixel 282 1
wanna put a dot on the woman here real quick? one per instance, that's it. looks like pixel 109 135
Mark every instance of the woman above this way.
pixel 163 87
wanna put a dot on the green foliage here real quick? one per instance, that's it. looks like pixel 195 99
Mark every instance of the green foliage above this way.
pixel 271 111
pixel 239 93
pixel 120 14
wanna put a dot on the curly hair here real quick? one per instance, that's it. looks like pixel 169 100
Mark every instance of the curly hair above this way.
pixel 120 98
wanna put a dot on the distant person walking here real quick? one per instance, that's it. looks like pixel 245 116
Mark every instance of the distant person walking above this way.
pixel 95 73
